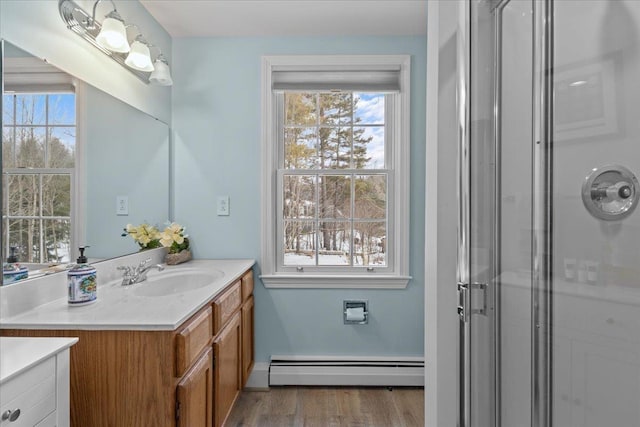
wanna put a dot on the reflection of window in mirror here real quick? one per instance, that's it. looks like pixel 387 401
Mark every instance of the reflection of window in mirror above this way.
pixel 38 161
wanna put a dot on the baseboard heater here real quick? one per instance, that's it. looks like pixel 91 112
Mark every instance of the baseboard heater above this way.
pixel 346 371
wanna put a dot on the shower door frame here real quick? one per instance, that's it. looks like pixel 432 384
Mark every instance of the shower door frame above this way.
pixel 542 208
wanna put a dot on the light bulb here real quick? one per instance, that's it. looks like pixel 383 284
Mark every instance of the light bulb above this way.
pixel 113 35
pixel 139 57
pixel 161 75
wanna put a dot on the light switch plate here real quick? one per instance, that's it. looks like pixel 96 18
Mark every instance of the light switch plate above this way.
pixel 223 206
pixel 122 205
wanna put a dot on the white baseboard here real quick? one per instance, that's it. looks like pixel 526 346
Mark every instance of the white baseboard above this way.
pixel 259 377
pixel 346 371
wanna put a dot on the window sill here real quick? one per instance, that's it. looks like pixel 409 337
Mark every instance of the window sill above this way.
pixel 307 281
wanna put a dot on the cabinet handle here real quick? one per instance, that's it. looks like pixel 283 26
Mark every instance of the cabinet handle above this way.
pixel 11 415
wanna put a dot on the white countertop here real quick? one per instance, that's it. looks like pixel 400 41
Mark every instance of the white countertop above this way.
pixel 122 308
pixel 19 354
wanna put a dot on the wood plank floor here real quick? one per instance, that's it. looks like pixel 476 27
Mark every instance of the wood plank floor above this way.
pixel 329 407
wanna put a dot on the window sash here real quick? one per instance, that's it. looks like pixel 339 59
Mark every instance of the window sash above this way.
pixel 41 218
pixel 351 219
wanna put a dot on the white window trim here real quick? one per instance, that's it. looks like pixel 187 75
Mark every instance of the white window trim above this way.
pixel 397 275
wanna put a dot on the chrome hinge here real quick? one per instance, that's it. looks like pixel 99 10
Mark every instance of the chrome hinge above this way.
pixel 465 304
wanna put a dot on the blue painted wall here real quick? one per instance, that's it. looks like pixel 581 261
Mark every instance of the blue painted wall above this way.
pixel 216 133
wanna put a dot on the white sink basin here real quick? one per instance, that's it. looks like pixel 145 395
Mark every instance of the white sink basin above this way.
pixel 176 282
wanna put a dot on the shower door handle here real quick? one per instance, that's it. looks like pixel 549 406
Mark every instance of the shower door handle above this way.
pixel 465 300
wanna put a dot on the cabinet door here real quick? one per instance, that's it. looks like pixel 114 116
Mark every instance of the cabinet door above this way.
pixel 195 394
pixel 247 339
pixel 605 383
pixel 227 349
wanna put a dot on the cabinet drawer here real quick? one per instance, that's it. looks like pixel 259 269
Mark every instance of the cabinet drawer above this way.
pixel 192 339
pixel 33 393
pixel 247 285
pixel 225 305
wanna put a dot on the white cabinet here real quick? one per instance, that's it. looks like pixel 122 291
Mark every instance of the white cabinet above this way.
pixel 596 359
pixel 34 381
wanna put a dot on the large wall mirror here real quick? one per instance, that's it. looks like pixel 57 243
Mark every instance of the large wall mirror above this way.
pixel 78 165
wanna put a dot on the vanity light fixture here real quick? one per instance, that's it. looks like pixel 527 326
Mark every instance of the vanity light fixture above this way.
pixel 110 37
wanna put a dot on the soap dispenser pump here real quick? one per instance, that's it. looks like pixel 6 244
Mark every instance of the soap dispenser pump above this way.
pixel 82 281
pixel 11 270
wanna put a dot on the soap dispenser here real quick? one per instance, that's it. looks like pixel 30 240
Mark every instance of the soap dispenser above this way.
pixel 11 270
pixel 82 281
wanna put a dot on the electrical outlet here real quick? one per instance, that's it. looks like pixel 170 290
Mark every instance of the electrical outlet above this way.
pixel 223 206
pixel 122 205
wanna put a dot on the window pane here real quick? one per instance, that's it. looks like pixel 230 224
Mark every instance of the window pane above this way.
pixel 335 148
pixel 300 108
pixel 56 195
pixel 62 109
pixel 299 196
pixel 8 148
pixel 23 194
pixel 334 195
pixel 368 147
pixel 24 235
pixel 369 243
pixel 336 108
pixel 369 108
pixel 30 147
pixel 30 109
pixel 334 243
pixel 62 143
pixel 299 243
pixel 5 183
pixel 7 109
pixel 300 148
pixel 371 196
pixel 57 234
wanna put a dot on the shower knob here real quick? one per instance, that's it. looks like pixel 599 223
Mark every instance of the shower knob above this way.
pixel 610 192
pixel 625 192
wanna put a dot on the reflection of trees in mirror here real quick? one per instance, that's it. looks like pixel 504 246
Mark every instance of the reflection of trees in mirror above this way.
pixel 334 206
pixel 38 159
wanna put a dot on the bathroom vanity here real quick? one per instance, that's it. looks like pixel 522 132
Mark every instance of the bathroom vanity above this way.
pixel 173 350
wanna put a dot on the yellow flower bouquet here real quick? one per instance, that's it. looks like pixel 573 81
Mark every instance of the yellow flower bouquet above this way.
pixel 173 238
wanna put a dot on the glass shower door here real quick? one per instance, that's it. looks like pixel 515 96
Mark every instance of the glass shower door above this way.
pixel 514 21
pixel 596 228
pixel 550 269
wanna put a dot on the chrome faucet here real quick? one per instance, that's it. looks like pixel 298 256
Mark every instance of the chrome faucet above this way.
pixel 137 274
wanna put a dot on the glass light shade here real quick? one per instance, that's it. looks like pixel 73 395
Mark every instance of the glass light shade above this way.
pixel 139 57
pixel 161 75
pixel 113 36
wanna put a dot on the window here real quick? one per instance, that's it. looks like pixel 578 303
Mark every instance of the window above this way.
pixel 336 171
pixel 38 160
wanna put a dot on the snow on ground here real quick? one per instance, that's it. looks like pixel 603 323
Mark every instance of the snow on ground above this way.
pixel 301 259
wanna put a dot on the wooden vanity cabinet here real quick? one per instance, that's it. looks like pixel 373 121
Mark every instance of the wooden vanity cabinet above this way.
pixel 227 350
pixel 194 397
pixel 247 338
pixel 188 377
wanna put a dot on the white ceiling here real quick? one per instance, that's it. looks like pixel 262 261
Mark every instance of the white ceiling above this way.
pixel 238 18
